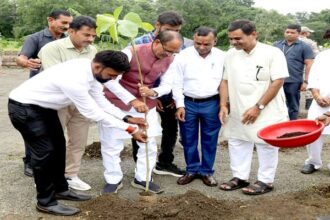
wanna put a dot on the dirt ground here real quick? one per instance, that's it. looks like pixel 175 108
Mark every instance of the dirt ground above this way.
pixel 296 196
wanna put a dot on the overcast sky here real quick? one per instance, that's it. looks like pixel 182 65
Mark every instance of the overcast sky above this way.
pixel 293 6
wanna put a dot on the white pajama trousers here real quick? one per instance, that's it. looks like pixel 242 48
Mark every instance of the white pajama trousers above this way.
pixel 314 151
pixel 241 153
pixel 112 143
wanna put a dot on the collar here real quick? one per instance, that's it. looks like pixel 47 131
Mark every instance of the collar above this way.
pixel 47 33
pixel 69 45
pixel 296 42
pixel 197 54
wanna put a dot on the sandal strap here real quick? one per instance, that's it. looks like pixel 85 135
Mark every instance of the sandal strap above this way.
pixel 262 184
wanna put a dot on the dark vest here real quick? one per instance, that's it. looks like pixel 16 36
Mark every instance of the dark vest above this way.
pixel 151 67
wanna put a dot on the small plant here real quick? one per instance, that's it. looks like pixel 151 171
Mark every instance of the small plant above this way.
pixel 128 27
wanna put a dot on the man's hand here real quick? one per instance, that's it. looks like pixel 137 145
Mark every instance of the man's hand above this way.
pixel 324 119
pixel 139 106
pixel 141 122
pixel 303 87
pixel 322 101
pixel 251 115
pixel 180 114
pixel 146 92
pixel 223 114
pixel 159 106
pixel 140 136
pixel 33 64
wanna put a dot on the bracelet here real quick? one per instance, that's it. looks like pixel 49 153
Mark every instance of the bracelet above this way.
pixel 125 119
pixel 305 81
pixel 132 130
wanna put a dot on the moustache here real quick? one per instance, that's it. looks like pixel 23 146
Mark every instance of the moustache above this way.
pixel 64 28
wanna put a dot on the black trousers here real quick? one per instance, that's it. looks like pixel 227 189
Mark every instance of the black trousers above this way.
pixel 42 131
pixel 169 134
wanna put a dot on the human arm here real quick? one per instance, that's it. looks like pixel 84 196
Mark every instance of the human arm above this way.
pixel 223 91
pixel 308 64
pixel 251 114
pixel 26 56
pixel 325 118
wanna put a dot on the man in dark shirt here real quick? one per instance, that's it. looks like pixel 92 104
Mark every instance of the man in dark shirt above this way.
pixel 298 56
pixel 58 23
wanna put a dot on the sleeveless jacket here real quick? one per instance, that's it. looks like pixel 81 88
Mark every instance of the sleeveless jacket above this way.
pixel 151 67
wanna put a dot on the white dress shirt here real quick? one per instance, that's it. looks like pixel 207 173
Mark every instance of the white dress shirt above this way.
pixel 319 78
pixel 67 83
pixel 195 76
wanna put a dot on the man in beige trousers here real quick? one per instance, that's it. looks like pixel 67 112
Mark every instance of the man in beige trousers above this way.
pixel 77 45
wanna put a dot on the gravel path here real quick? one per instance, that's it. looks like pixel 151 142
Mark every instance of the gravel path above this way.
pixel 17 192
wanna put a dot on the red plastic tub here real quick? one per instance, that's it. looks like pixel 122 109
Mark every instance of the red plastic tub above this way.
pixel 272 133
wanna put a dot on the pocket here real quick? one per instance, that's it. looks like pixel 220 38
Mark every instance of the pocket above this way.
pixel 17 115
pixel 35 123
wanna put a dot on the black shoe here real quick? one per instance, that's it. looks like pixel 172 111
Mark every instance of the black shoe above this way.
pixel 168 169
pixel 59 209
pixel 28 170
pixel 153 187
pixel 111 188
pixel 71 195
pixel 308 169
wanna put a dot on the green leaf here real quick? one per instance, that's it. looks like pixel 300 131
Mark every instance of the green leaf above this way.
pixel 128 28
pixel 114 33
pixel 117 12
pixel 104 22
pixel 133 17
pixel 147 26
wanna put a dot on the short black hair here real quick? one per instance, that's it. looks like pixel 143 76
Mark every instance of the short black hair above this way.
pixel 204 31
pixel 80 21
pixel 247 26
pixel 171 18
pixel 168 35
pixel 116 60
pixel 294 27
pixel 58 12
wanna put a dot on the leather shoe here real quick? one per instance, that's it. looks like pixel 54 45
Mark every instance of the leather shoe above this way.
pixel 71 195
pixel 188 178
pixel 308 169
pixel 209 180
pixel 59 209
pixel 28 170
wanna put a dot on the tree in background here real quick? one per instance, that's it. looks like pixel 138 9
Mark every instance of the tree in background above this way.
pixel 22 17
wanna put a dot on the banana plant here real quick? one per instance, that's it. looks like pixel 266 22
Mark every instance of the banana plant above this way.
pixel 128 27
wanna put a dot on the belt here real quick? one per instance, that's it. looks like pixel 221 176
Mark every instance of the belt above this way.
pixel 202 99
pixel 22 104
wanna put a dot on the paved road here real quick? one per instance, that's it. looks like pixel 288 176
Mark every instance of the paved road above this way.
pixel 17 192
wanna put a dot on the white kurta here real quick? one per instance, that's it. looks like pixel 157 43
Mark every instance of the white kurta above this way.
pixel 319 78
pixel 246 87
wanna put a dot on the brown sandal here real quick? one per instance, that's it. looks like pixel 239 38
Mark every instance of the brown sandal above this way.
pixel 258 188
pixel 233 184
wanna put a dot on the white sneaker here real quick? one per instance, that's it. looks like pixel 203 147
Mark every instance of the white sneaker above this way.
pixel 77 184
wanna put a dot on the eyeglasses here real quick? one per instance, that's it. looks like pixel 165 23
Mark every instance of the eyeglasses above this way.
pixel 169 52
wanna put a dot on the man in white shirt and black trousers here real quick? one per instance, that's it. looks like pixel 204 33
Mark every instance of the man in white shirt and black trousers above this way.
pixel 33 109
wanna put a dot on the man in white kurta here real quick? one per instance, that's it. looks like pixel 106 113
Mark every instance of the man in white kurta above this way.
pixel 319 84
pixel 252 81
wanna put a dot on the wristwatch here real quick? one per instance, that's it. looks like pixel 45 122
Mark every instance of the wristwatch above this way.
pixel 260 106
pixel 125 119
